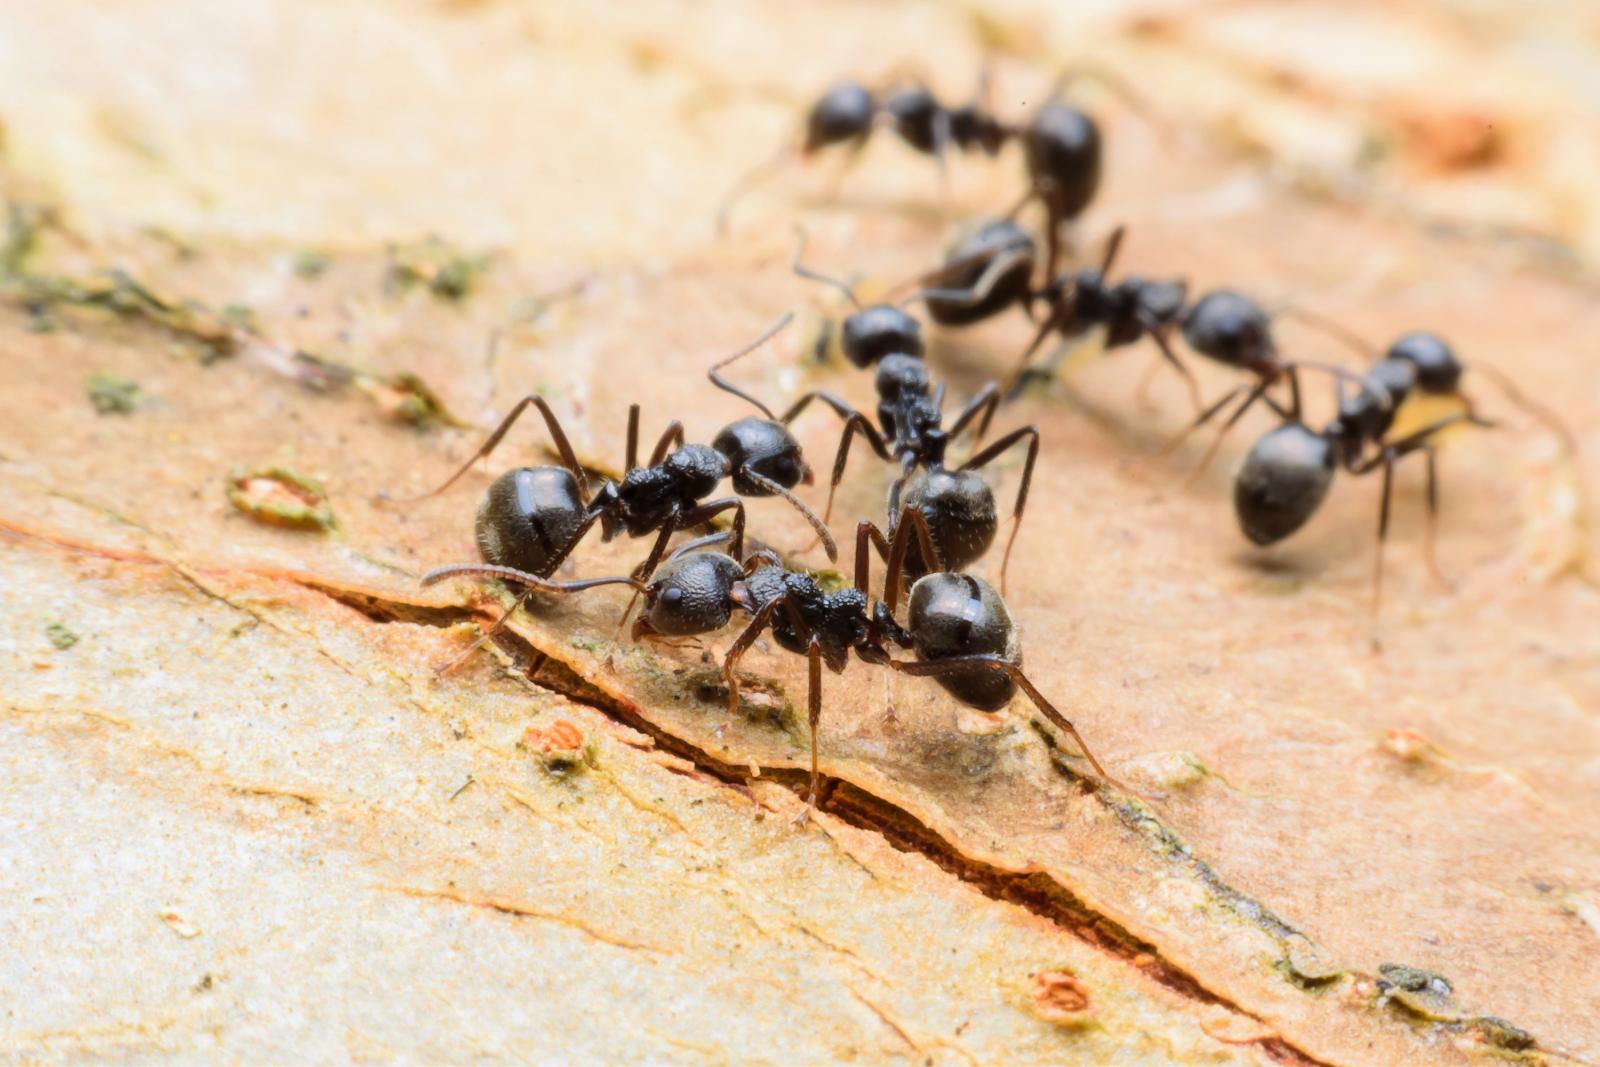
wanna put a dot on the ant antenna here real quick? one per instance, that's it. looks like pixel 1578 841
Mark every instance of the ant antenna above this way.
pixel 722 383
pixel 1330 327
pixel 1565 439
pixel 816 276
pixel 1119 86
pixel 750 179
pixel 768 485
pixel 512 574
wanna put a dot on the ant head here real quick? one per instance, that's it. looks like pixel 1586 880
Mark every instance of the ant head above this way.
pixel 960 615
pixel 915 114
pixel 1283 481
pixel 764 447
pixel 844 113
pixel 1230 328
pixel 901 375
pixel 881 330
pixel 527 515
pixel 1438 369
pixel 1063 151
pixel 692 594
pixel 699 469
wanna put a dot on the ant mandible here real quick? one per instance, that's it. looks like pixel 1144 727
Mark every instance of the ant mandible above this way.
pixel 957 626
pixel 532 518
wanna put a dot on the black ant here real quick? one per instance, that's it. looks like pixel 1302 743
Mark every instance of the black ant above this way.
pixel 1061 144
pixel 532 518
pixel 957 504
pixel 1287 473
pixel 957 626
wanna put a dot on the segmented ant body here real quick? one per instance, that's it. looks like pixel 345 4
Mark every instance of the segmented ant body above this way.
pixel 532 518
pixel 1062 145
pixel 910 432
pixel 1286 475
pixel 957 626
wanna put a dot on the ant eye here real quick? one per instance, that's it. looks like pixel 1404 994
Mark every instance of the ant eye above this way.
pixel 671 595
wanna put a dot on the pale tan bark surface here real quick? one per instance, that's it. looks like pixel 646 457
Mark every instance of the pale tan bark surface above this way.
pixel 244 819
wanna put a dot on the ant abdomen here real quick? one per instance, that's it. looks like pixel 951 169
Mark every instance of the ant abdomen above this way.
pixel 959 615
pixel 844 113
pixel 764 447
pixel 528 517
pixel 959 508
pixel 1063 152
pixel 1283 480
pixel 993 241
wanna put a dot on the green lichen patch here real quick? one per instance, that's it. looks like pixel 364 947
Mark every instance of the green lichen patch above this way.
pixel 119 293
pixel 1423 993
pixel 408 399
pixel 61 635
pixel 1307 964
pixel 112 394
pixel 309 263
pixel 1503 1035
pixel 280 496
pixel 446 272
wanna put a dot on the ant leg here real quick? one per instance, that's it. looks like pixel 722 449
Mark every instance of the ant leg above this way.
pixel 847 163
pixel 999 663
pixel 979 290
pixel 1249 402
pixel 854 423
pixel 569 459
pixel 670 439
pixel 1052 233
pixel 1386 458
pixel 1113 246
pixel 1383 534
pixel 632 454
pixel 701 513
pixel 1200 420
pixel 911 521
pixel 484 636
pixel 867 533
pixel 813 717
pixel 982 407
pixel 1431 536
pixel 840 406
pixel 532 582
pixel 1023 374
pixel 987 456
pixel 1158 334
pixel 1141 396
pixel 741 645
pixel 750 179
